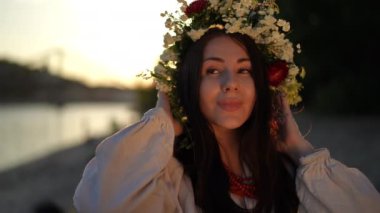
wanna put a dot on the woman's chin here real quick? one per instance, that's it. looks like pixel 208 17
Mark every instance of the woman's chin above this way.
pixel 230 124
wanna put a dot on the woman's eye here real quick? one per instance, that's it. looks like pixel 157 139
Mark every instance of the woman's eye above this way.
pixel 244 71
pixel 212 71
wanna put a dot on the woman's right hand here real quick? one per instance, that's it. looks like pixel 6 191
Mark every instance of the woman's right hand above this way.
pixel 295 145
pixel 163 102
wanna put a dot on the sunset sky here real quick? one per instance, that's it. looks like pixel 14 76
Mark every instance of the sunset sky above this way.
pixel 102 42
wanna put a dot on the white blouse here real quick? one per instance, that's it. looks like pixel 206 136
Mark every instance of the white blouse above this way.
pixel 134 171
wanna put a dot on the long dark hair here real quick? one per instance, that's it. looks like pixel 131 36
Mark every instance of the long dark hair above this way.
pixel 275 187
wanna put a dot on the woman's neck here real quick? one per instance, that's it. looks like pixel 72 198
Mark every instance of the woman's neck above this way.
pixel 228 142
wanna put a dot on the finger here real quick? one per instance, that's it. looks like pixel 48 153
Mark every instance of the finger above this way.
pixel 285 105
pixel 178 129
pixel 163 101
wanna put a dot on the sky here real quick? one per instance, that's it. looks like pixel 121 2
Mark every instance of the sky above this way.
pixel 101 42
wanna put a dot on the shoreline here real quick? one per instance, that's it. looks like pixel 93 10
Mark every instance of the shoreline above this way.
pixel 351 140
pixel 48 181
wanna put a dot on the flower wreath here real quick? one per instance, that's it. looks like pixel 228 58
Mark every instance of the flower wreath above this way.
pixel 254 18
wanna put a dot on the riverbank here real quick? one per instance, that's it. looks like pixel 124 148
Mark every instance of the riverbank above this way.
pixel 353 140
pixel 45 183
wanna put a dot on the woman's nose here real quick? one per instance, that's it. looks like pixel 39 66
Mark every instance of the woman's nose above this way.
pixel 229 82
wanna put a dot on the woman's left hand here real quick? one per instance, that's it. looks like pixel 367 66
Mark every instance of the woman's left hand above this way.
pixel 163 101
pixel 295 145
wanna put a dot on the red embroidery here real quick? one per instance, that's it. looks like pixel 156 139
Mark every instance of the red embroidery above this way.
pixel 242 186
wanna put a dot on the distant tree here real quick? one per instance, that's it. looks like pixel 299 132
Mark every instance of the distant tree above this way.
pixel 340 53
pixel 146 98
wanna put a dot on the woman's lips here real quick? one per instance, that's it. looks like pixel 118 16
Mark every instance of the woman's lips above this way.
pixel 229 105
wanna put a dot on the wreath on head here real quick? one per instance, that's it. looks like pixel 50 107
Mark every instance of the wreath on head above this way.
pixel 254 18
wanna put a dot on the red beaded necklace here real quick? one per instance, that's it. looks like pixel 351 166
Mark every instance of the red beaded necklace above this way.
pixel 242 186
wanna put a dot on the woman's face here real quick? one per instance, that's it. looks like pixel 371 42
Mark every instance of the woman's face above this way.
pixel 227 90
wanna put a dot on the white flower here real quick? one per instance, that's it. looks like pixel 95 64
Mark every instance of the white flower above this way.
pixel 183 2
pixel 255 32
pixel 229 3
pixel 268 20
pixel 247 31
pixel 284 25
pixel 169 23
pixel 161 70
pixel 270 11
pixel 281 22
pixel 177 38
pixel 214 3
pixel 168 40
pixel 275 36
pixel 261 12
pixel 248 3
pixel 164 14
pixel 183 8
pixel 286 28
pixel 235 27
pixel 229 19
pixel 240 11
pixel 178 30
pixel 183 17
pixel 168 55
pixel 226 6
pixel 293 70
pixel 298 48
pixel 196 34
pixel 287 54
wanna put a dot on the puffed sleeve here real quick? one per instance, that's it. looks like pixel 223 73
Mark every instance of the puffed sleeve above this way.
pixel 326 185
pixel 133 170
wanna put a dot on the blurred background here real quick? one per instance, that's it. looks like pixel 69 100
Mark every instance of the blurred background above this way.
pixel 68 79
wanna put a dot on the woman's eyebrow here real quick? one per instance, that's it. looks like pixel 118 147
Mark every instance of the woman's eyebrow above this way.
pixel 213 59
pixel 240 60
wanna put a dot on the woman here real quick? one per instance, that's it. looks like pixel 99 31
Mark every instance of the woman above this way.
pixel 234 139
pixel 229 103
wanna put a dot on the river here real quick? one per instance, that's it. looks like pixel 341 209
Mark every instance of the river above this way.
pixel 31 131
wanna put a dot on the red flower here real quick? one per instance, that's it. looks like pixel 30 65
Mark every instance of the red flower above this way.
pixel 277 72
pixel 196 7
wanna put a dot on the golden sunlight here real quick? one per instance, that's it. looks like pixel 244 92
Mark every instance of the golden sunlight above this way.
pixel 121 38
pixel 100 42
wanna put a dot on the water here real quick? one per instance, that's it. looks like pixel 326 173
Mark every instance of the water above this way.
pixel 31 131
